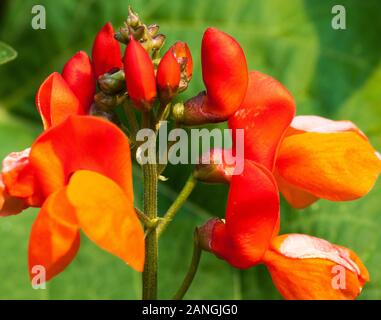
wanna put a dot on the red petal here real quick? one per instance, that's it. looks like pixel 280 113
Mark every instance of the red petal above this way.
pixel 140 75
pixel 252 217
pixel 168 75
pixel 106 51
pixel 79 75
pixel 82 142
pixel 265 115
pixel 224 71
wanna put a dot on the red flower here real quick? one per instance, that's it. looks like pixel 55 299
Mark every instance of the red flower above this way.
pixel 140 75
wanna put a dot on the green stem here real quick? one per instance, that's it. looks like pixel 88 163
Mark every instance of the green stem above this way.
pixel 134 126
pixel 177 204
pixel 191 271
pixel 151 241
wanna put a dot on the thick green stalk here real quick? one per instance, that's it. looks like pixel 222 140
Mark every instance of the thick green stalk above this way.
pixel 150 210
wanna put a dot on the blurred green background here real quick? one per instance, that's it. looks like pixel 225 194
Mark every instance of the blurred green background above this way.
pixel 330 73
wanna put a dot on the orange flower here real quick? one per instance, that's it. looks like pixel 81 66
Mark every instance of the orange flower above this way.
pixel 79 172
pixel 302 267
pixel 315 157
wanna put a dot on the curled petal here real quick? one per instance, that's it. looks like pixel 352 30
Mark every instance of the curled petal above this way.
pixel 56 101
pixel 9 205
pixel 106 51
pixel 54 239
pixel 301 124
pixel 81 142
pixel 107 216
pixel 18 178
pixel 224 71
pixel 308 268
pixel 265 114
pixel 79 75
pixel 140 75
pixel 335 166
pixel 252 217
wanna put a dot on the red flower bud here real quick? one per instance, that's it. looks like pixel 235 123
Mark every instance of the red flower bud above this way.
pixel 106 51
pixel 168 76
pixel 79 75
pixel 225 74
pixel 140 75
pixel 224 71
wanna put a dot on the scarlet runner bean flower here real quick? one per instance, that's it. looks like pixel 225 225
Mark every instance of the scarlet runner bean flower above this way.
pixel 301 266
pixel 68 174
pixel 68 167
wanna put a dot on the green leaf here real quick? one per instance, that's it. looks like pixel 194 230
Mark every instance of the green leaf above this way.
pixel 7 53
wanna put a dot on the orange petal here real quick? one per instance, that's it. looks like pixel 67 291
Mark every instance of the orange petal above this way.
pixel 296 197
pixel 55 238
pixel 265 114
pixel 82 142
pixel 252 217
pixel 107 216
pixel 55 101
pixel 308 268
pixel 335 166
pixel 79 75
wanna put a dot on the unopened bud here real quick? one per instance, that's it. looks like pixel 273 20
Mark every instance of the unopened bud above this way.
pixel 133 19
pixel 123 35
pixel 112 83
pixel 107 115
pixel 158 41
pixel 153 29
pixel 215 166
pixel 104 101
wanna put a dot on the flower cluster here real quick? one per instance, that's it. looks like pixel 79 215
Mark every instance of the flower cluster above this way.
pixel 79 170
pixel 304 158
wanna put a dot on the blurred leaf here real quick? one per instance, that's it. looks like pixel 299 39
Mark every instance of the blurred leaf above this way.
pixel 7 53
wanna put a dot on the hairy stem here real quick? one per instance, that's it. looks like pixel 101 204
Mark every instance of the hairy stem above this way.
pixel 150 210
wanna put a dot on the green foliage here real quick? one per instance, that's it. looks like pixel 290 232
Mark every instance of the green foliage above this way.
pixel 330 73
pixel 7 53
